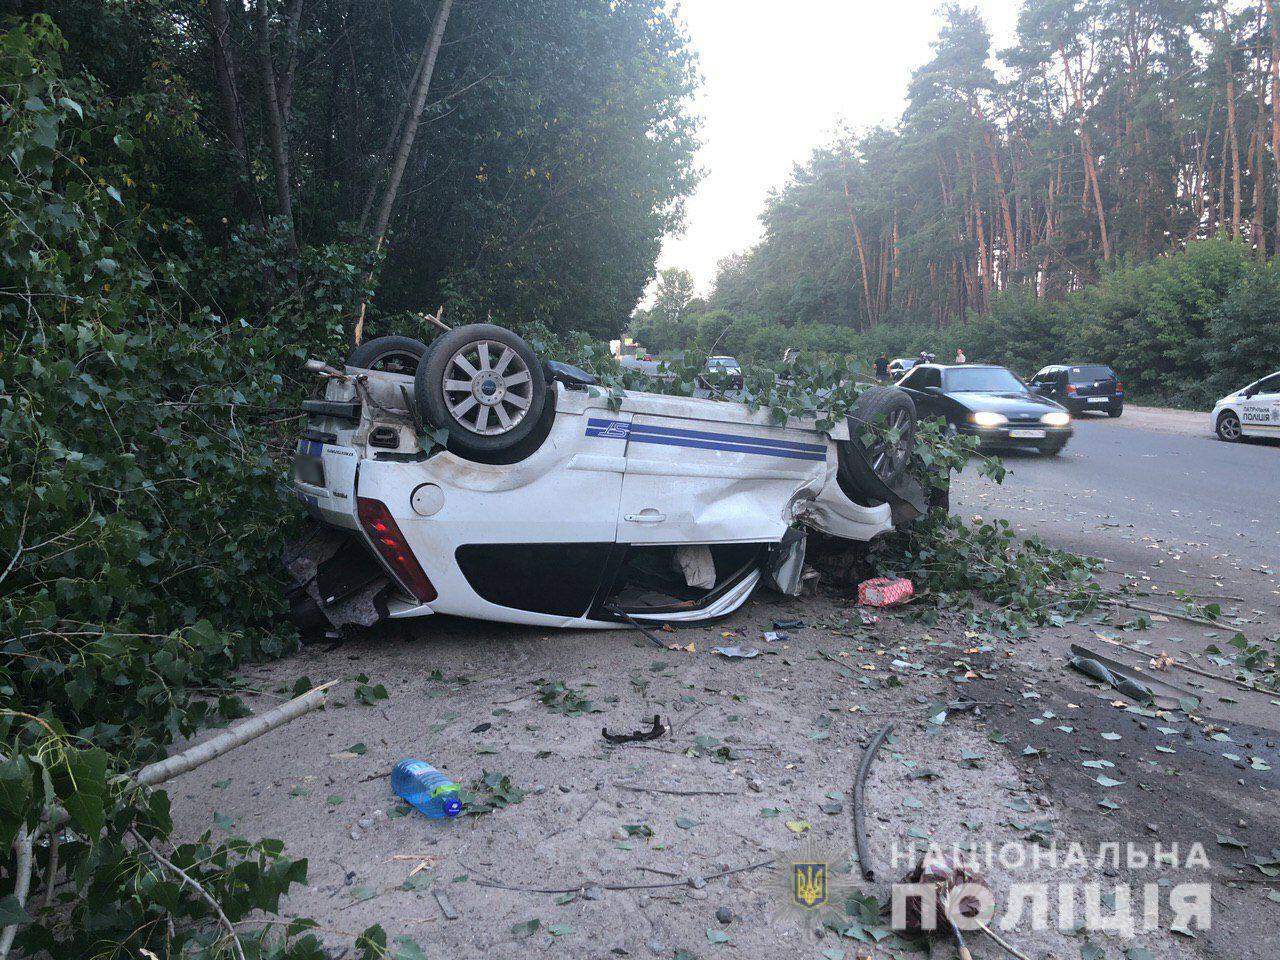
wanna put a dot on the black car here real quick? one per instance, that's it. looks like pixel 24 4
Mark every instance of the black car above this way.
pixel 724 372
pixel 989 403
pixel 1081 386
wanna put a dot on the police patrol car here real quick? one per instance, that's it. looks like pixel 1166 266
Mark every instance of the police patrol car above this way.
pixel 470 478
pixel 1251 412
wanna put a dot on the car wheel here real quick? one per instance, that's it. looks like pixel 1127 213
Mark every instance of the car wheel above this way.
pixel 882 461
pixel 482 384
pixel 1114 410
pixel 1228 427
pixel 389 354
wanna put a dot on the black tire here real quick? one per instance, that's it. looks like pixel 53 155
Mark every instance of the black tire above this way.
pixel 1114 410
pixel 869 467
pixel 389 354
pixel 507 394
pixel 1054 448
pixel 1228 427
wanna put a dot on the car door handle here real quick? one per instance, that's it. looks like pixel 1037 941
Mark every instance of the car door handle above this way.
pixel 648 515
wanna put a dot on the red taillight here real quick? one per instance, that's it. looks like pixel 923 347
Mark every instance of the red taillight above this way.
pixel 1119 387
pixel 1071 389
pixel 394 549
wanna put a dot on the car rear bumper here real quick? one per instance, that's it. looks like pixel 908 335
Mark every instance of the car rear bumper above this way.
pixel 1085 404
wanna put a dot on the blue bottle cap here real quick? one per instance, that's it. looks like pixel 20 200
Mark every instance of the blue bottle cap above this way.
pixel 452 806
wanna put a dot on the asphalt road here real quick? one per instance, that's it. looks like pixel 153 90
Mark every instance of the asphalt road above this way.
pixel 1146 487
pixel 1176 513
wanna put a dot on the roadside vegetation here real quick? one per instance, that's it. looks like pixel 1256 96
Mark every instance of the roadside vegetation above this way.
pixel 1103 190
pixel 155 310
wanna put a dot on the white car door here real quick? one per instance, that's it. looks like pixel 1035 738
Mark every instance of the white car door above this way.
pixel 692 479
pixel 1260 414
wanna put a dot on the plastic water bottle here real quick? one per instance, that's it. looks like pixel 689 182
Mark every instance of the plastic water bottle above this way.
pixel 427 789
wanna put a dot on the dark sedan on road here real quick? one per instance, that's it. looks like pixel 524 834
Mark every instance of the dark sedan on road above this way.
pixel 1081 386
pixel 989 403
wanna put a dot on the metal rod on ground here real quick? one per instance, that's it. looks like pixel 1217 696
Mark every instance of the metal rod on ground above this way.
pixel 653 638
pixel 859 806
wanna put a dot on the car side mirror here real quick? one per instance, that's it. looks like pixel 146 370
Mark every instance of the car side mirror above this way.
pixel 1249 394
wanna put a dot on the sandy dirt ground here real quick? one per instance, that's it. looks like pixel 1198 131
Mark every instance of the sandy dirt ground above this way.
pixel 758 765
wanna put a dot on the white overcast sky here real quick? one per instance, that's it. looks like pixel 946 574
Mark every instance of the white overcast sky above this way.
pixel 779 76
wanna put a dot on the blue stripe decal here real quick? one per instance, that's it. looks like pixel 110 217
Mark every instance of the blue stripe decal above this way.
pixel 703 440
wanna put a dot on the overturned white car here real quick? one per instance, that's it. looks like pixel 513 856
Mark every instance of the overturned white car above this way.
pixel 550 505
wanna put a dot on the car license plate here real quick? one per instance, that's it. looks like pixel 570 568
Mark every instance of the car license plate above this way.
pixel 1099 399
pixel 308 468
pixel 1027 434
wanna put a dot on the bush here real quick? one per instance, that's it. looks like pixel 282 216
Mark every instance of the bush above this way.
pixel 141 516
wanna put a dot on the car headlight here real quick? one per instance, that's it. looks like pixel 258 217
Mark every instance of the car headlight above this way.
pixel 988 418
pixel 1057 418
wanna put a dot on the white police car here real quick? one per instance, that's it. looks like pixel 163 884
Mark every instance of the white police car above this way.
pixel 1251 412
pixel 556 504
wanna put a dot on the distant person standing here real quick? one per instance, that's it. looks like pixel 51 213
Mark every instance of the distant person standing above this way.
pixel 960 358
pixel 882 367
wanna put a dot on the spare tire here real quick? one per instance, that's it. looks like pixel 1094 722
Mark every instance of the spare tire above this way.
pixel 483 385
pixel 389 354
pixel 869 466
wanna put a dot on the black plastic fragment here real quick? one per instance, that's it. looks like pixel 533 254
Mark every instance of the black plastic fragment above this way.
pixel 656 731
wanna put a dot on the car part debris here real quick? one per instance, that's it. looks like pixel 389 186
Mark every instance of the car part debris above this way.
pixel 885 591
pixel 696 564
pixel 446 906
pixel 1131 688
pixel 783 566
pixel 774 636
pixel 737 653
pixel 652 637
pixel 788 624
pixel 655 731
pixel 1147 682
pixel 859 803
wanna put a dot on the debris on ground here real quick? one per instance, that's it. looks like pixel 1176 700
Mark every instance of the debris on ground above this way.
pixel 737 653
pixel 885 591
pixel 655 731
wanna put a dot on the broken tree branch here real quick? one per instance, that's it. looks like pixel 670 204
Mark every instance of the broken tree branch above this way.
pixel 200 891
pixel 488 882
pixel 22 846
pixel 1187 667
pixel 202 753
pixel 1144 608
pixel 1007 947
pixel 677 793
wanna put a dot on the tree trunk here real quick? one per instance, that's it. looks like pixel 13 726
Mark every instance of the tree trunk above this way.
pixel 375 181
pixel 1257 164
pixel 1232 132
pixel 224 70
pixel 277 135
pixel 428 65
pixel 1086 145
pixel 1275 110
